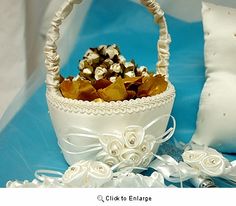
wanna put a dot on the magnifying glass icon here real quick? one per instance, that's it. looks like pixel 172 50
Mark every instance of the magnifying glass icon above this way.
pixel 100 198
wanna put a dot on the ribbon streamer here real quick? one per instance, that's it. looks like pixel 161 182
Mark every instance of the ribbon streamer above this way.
pixel 172 170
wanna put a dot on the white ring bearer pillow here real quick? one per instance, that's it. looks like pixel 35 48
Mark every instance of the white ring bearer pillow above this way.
pixel 215 124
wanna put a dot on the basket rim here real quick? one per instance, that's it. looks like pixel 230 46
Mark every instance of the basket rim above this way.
pixel 113 107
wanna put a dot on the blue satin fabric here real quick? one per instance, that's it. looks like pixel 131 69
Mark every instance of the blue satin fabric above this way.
pixel 29 143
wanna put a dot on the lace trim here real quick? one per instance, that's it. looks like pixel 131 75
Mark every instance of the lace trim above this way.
pixel 102 108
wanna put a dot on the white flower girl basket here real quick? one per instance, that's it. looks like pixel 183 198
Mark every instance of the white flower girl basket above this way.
pixel 124 133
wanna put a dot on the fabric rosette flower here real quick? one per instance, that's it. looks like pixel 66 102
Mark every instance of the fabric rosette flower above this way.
pixel 133 136
pixel 213 165
pixel 87 174
pixel 112 51
pixel 147 146
pixel 130 158
pixel 132 148
pixel 91 56
pixel 109 160
pixel 116 68
pixel 115 147
pixel 98 174
pixel 209 161
pixel 112 144
pixel 75 175
pixel 193 157
pixel 100 72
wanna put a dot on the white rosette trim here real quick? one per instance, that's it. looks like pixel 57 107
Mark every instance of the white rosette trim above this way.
pixel 87 174
pixel 133 147
pixel 208 161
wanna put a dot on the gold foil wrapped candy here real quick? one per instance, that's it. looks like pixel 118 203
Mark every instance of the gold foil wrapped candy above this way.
pixel 106 76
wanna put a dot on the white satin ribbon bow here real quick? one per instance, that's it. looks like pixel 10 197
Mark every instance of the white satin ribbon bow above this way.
pixel 132 147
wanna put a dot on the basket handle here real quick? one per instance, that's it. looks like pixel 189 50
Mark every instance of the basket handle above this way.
pixel 52 59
